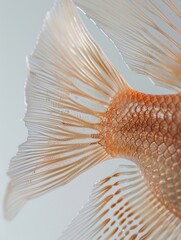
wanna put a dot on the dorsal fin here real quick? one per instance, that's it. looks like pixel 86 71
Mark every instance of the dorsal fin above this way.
pixel 146 32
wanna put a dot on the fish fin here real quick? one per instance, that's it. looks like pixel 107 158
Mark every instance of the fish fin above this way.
pixel 147 34
pixel 122 207
pixel 70 85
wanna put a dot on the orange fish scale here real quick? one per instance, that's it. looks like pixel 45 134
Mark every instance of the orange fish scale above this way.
pixel 147 129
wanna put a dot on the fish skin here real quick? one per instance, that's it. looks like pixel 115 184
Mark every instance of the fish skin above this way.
pixel 71 129
pixel 146 129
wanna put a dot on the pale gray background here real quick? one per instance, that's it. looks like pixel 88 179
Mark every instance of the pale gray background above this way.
pixel 45 217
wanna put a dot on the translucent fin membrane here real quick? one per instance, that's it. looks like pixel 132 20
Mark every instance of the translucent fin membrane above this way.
pixel 70 84
pixel 146 32
pixel 122 207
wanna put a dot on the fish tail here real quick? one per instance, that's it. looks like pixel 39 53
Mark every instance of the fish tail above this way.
pixel 69 88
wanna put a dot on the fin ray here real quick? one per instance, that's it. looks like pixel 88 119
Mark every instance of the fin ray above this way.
pixel 70 84
pixel 147 34
pixel 121 206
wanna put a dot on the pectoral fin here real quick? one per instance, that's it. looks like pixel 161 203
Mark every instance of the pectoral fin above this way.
pixel 146 32
pixel 122 207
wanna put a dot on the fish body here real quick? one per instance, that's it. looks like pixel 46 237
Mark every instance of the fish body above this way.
pixel 81 112
pixel 146 129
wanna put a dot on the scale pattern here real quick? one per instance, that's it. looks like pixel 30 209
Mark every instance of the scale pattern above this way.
pixel 147 129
